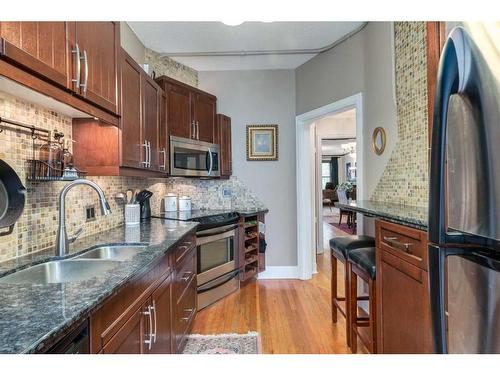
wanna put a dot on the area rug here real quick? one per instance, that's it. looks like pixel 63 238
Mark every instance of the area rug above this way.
pixel 231 343
pixel 343 227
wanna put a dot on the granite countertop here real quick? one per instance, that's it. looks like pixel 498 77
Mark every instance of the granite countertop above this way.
pixel 411 216
pixel 195 214
pixel 33 317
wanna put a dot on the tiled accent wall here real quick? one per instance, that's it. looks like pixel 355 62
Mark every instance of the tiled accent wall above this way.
pixel 405 179
pixel 37 227
pixel 164 65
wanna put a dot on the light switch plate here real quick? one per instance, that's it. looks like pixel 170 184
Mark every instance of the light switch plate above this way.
pixel 90 213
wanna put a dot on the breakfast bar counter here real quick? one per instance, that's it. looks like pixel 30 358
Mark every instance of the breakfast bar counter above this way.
pixel 411 216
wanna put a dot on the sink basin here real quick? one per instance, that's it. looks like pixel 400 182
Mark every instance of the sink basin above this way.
pixel 119 253
pixel 60 271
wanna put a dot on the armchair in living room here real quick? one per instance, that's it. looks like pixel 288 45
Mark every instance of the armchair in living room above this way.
pixel 329 195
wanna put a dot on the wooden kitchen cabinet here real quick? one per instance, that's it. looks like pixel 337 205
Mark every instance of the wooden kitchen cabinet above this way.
pixel 162 303
pixel 129 338
pixel 191 113
pixel 204 109
pixel 94 56
pixel 223 139
pixel 149 308
pixel 40 47
pixel 403 306
pixel 138 147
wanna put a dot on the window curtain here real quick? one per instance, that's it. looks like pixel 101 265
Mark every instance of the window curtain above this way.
pixel 334 171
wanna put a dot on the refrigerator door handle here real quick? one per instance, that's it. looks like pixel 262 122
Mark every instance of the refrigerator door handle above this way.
pixel 448 84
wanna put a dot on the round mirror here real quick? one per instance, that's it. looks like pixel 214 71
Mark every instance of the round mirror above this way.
pixel 378 140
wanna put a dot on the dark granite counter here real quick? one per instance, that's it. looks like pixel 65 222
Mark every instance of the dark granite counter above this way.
pixel 33 317
pixel 411 216
pixel 195 214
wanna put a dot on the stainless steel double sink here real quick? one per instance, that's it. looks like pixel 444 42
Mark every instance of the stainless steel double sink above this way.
pixel 92 263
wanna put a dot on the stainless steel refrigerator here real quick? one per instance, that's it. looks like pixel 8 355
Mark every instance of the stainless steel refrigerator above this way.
pixel 464 195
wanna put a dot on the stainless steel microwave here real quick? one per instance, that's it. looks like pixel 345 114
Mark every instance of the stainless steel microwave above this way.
pixel 193 158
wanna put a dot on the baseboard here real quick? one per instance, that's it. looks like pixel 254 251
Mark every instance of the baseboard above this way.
pixel 280 272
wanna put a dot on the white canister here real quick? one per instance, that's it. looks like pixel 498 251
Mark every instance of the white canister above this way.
pixel 132 214
pixel 184 203
pixel 170 202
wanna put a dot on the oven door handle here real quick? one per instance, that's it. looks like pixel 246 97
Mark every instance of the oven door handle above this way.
pixel 209 233
pixel 224 279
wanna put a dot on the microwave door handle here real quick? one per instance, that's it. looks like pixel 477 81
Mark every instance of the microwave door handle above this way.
pixel 211 162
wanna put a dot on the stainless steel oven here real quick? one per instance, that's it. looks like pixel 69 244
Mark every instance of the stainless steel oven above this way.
pixel 189 157
pixel 217 266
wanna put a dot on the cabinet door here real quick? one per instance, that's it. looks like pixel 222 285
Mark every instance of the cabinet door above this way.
pixel 130 338
pixel 179 111
pixel 204 116
pixel 131 142
pixel 161 301
pixel 99 46
pixel 223 138
pixel 40 47
pixel 163 135
pixel 151 119
pixel 403 307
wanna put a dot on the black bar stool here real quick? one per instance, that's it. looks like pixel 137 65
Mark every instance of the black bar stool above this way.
pixel 361 263
pixel 340 247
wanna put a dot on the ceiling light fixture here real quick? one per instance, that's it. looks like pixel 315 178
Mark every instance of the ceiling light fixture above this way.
pixel 233 22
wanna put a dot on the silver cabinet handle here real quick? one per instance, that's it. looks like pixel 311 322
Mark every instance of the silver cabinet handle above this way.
pixel 153 308
pixel 145 162
pixel 78 58
pixel 86 75
pixel 197 130
pixel 399 245
pixel 149 147
pixel 186 276
pixel 150 341
pixel 193 129
pixel 164 165
pixel 211 165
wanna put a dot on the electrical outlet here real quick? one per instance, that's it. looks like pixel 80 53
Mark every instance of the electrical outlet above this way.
pixel 226 192
pixel 90 213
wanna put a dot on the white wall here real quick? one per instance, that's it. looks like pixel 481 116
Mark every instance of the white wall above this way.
pixel 263 97
pixel 362 63
pixel 131 43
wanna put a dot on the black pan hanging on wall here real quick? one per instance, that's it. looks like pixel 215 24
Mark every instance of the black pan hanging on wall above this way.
pixel 12 198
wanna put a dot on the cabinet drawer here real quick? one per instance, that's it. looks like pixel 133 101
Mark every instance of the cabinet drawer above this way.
pixel 108 320
pixel 183 249
pixel 403 242
pixel 185 272
pixel 185 311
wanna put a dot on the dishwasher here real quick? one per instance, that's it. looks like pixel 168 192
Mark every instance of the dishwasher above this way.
pixel 75 342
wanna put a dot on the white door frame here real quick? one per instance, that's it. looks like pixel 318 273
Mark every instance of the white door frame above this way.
pixel 306 194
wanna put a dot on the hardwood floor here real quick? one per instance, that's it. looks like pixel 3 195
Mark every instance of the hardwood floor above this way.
pixel 291 316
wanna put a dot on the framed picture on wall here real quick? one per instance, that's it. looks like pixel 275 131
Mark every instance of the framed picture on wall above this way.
pixel 262 142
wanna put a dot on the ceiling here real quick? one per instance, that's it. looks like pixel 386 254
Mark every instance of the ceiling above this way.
pixel 248 46
pixel 334 147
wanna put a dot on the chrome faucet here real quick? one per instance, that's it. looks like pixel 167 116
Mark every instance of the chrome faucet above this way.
pixel 62 237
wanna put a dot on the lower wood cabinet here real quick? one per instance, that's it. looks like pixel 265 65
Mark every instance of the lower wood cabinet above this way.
pixel 129 338
pixel 146 316
pixel 162 305
pixel 403 306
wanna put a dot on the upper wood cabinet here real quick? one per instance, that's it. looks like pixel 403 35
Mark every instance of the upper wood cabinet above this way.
pixel 223 138
pixel 138 146
pixel 204 109
pixel 94 55
pixel 190 111
pixel 40 47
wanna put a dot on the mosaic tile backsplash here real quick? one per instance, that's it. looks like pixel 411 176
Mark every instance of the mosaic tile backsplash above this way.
pixel 164 65
pixel 36 229
pixel 405 179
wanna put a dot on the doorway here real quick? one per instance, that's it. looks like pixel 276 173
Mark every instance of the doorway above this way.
pixel 336 172
pixel 309 185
